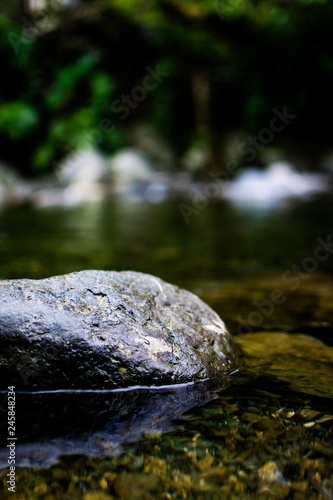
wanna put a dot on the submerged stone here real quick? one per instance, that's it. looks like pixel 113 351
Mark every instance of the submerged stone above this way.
pixel 302 362
pixel 105 330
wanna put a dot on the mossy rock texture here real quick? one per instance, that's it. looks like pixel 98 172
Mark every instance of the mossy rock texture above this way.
pixel 107 330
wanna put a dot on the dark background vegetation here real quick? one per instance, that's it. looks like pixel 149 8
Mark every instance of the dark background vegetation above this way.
pixel 229 65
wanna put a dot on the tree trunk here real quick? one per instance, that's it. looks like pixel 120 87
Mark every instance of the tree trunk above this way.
pixel 202 112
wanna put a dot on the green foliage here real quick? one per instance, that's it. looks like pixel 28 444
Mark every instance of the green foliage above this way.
pixel 17 119
pixel 102 86
pixel 67 79
pixel 54 108
pixel 58 86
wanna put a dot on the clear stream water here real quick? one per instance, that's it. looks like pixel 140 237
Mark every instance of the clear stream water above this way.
pixel 268 434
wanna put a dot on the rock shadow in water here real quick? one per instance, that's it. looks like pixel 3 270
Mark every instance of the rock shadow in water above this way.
pixel 95 423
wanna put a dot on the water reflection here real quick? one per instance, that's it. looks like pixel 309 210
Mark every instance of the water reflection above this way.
pixel 219 243
pixel 96 423
pixel 241 444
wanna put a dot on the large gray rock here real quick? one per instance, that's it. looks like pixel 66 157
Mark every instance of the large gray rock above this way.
pixel 99 329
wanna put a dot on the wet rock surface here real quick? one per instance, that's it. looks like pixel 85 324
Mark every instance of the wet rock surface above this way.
pixel 100 329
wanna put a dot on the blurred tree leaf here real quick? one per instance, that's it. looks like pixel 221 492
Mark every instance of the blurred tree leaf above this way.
pixel 67 78
pixel 17 119
pixel 102 87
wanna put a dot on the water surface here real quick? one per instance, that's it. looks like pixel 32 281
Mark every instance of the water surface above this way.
pixel 267 435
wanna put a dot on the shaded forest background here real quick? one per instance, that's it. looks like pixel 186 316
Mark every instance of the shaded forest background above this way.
pixel 225 66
